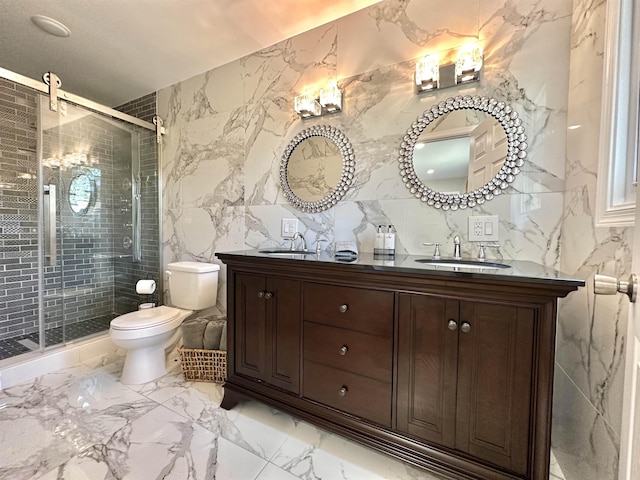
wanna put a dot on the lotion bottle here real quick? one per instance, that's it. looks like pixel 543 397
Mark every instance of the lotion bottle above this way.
pixel 390 242
pixel 378 244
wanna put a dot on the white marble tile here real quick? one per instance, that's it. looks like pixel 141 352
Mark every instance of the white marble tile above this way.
pixel 498 17
pixel 263 226
pixel 313 454
pixel 584 444
pixel 66 413
pixel 271 472
pixel 391 31
pixel 252 426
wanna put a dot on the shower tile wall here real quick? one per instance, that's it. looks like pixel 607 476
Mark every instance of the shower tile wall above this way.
pixel 18 211
pixel 126 272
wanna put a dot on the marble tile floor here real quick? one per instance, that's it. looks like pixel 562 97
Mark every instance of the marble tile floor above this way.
pixel 81 423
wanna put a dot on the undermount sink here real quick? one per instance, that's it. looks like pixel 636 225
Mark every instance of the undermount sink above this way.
pixel 474 264
pixel 286 251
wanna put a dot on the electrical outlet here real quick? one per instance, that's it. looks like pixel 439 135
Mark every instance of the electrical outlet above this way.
pixel 289 227
pixel 484 228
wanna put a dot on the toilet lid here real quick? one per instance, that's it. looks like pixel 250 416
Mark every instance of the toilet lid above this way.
pixel 149 317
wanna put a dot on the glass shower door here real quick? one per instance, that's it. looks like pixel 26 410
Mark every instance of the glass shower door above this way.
pixel 99 168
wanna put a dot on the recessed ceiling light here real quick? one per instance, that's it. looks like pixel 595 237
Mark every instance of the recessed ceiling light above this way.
pixel 51 26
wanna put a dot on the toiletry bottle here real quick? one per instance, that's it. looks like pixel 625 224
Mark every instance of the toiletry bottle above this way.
pixel 390 242
pixel 378 244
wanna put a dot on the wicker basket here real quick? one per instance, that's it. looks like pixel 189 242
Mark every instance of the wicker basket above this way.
pixel 201 365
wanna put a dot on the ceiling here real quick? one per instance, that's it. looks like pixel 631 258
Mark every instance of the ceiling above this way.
pixel 120 50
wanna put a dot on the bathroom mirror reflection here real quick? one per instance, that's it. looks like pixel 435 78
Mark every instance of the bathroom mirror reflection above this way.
pixel 462 152
pixel 317 168
pixel 81 191
pixel 314 169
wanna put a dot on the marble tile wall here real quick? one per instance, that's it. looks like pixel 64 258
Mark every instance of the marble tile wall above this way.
pixel 590 346
pixel 227 129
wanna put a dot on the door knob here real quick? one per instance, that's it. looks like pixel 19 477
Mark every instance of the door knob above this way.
pixel 452 325
pixel 268 295
pixel 260 294
pixel 343 308
pixel 605 285
pixel 466 327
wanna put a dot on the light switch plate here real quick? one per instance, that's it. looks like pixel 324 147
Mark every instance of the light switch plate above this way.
pixel 484 228
pixel 289 227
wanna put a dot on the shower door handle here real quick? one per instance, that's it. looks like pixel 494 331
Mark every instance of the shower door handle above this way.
pixel 50 252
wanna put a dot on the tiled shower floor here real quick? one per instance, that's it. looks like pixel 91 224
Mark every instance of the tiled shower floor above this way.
pixel 11 347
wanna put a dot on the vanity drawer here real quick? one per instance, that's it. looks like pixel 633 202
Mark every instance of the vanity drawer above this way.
pixel 360 396
pixel 368 311
pixel 356 352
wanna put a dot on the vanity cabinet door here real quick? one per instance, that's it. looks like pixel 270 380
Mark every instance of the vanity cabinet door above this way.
pixel 267 338
pixel 427 368
pixel 495 365
pixel 464 377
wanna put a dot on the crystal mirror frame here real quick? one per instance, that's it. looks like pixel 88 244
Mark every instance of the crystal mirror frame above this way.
pixel 346 178
pixel 516 152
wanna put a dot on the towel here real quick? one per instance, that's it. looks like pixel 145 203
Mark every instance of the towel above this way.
pixel 193 333
pixel 223 338
pixel 346 251
pixel 213 333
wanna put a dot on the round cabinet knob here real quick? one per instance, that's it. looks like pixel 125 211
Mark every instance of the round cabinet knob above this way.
pixel 260 294
pixel 268 295
pixel 452 325
pixel 466 327
pixel 343 308
pixel 343 391
pixel 344 350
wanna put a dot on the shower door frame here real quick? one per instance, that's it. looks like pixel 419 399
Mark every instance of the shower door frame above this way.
pixel 101 109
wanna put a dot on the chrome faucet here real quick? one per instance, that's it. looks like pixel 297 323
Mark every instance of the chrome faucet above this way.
pixel 319 246
pixel 303 243
pixel 481 250
pixel 456 248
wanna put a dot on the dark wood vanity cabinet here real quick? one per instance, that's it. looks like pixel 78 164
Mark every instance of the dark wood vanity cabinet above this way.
pixel 452 373
pixel 267 330
pixel 464 376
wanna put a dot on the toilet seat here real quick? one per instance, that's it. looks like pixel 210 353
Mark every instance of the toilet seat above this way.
pixel 150 317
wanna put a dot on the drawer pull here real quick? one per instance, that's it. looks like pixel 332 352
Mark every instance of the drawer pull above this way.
pixel 268 295
pixel 260 294
pixel 344 350
pixel 466 327
pixel 452 325
pixel 343 391
pixel 343 308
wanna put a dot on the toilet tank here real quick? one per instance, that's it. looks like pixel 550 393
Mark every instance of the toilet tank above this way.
pixel 193 285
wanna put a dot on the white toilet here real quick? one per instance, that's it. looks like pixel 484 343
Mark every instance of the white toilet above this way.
pixel 145 334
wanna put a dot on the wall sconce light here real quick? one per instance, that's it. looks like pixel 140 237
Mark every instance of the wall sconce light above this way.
pixel 428 73
pixel 329 101
pixel 469 64
pixel 431 75
pixel 331 98
pixel 307 106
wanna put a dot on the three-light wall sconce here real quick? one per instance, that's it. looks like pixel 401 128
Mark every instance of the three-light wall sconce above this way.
pixel 431 75
pixel 329 100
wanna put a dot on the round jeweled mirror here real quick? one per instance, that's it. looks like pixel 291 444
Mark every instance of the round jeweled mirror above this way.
pixel 462 152
pixel 317 168
pixel 81 190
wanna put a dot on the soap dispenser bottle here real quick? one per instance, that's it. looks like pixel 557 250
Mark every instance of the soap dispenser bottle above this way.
pixel 390 242
pixel 378 244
